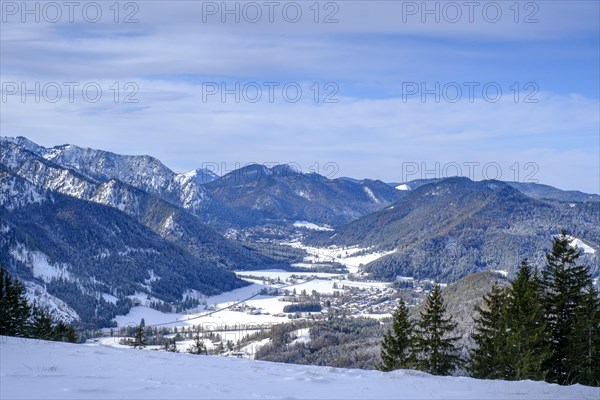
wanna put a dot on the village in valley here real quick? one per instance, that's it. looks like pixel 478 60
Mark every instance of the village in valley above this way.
pixel 237 323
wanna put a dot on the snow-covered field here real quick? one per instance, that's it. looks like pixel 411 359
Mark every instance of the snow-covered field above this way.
pixel 311 226
pixel 216 322
pixel 347 256
pixel 217 316
pixel 45 370
pixel 258 310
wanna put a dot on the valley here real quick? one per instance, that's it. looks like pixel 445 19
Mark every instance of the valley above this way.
pixel 364 199
pixel 264 263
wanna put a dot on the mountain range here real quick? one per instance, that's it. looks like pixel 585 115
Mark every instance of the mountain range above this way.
pixel 250 196
pixel 98 230
pixel 531 189
pixel 449 228
pixel 281 193
pixel 85 253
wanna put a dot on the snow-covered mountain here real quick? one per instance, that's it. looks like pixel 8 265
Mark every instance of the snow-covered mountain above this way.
pixel 534 190
pixel 449 228
pixel 153 211
pixel 249 196
pixel 78 251
pixel 283 193
pixel 142 172
pixel 75 239
pixel 35 369
pixel 17 193
pixel 200 176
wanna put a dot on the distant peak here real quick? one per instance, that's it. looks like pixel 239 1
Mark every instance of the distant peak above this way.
pixel 200 175
pixel 22 142
pixel 286 169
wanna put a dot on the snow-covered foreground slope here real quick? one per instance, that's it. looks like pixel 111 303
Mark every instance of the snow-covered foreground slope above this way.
pixel 36 369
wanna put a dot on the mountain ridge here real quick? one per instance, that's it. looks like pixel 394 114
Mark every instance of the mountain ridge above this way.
pixel 150 210
pixel 453 227
pixel 79 249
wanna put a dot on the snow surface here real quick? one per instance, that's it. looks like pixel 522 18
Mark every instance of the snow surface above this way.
pixel 40 264
pixel 310 225
pixel 150 316
pixel 36 369
pixel 110 298
pixel 502 272
pixel 58 308
pixel 269 309
pixel 370 193
pixel 404 186
pixel 580 244
pixel 346 256
pixel 300 335
pixel 251 349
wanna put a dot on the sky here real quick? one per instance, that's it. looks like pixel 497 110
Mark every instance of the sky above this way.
pixel 390 90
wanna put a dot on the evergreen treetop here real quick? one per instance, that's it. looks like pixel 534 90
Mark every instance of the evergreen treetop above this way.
pixel 435 348
pixel 564 282
pixel 489 335
pixel 525 344
pixel 397 345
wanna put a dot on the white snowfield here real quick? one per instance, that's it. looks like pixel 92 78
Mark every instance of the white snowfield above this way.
pixel 347 256
pixel 46 370
pixel 580 244
pixel 312 226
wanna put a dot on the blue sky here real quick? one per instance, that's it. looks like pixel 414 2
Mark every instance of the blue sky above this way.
pixel 367 62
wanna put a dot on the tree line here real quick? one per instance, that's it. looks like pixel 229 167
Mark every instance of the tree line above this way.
pixel 544 326
pixel 21 319
pixel 302 307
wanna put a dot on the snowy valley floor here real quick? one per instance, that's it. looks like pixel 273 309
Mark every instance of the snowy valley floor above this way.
pixel 35 369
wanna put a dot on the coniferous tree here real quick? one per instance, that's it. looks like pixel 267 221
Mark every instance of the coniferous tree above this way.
pixel 170 346
pixel 489 335
pixel 139 339
pixel 198 346
pixel 524 348
pixel 14 308
pixel 42 325
pixel 397 345
pixel 63 332
pixel 583 355
pixel 70 334
pixel 435 348
pixel 59 331
pixel 564 282
pixel 18 318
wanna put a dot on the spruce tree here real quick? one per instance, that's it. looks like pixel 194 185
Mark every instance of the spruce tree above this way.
pixel 42 325
pixel 397 344
pixel 489 336
pixel 14 308
pixel 139 340
pixel 583 355
pixel 564 282
pixel 59 331
pixel 18 318
pixel 524 348
pixel 70 334
pixel 198 347
pixel 63 332
pixel 435 348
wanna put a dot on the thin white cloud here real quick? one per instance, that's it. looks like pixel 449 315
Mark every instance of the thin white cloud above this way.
pixel 366 137
pixel 369 53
